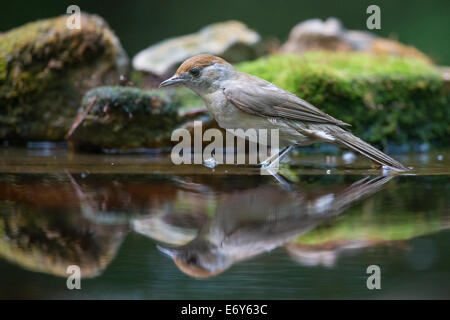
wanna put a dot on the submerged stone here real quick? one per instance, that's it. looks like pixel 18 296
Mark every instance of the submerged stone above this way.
pixel 45 69
pixel 385 98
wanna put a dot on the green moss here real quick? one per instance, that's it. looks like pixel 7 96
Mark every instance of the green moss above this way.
pixel 45 68
pixel 354 226
pixel 385 98
pixel 405 213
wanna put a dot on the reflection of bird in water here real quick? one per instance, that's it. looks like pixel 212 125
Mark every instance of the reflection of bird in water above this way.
pixel 250 222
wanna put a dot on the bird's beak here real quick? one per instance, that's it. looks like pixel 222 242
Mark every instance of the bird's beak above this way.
pixel 169 251
pixel 171 81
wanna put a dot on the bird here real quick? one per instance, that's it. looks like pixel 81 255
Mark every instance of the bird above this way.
pixel 260 219
pixel 238 100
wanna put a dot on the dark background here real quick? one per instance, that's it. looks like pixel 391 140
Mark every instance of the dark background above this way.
pixel 424 24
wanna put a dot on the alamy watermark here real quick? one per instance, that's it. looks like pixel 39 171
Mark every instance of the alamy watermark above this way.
pixel 74 20
pixel 230 149
pixel 374 20
pixel 374 280
pixel 74 278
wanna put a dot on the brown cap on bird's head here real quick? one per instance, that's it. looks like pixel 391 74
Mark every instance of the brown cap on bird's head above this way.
pixel 193 66
pixel 199 61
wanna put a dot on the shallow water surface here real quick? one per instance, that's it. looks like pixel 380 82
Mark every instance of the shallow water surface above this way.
pixel 140 227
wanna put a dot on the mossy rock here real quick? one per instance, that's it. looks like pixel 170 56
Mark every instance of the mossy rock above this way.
pixel 127 118
pixel 45 69
pixel 377 228
pixel 41 240
pixel 384 98
pixel 409 218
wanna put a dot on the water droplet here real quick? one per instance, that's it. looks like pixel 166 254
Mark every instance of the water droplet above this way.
pixel 348 157
pixel 210 162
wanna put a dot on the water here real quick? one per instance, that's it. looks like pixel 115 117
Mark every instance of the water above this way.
pixel 140 227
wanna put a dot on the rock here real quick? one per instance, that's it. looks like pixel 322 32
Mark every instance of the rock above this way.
pixel 395 48
pixel 231 40
pixel 34 237
pixel 330 35
pixel 45 69
pixel 125 119
pixel 384 98
pixel 315 35
pixel 355 230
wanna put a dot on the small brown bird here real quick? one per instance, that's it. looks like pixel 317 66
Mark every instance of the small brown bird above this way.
pixel 241 101
pixel 253 221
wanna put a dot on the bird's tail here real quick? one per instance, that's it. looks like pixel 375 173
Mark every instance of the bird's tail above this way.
pixel 348 140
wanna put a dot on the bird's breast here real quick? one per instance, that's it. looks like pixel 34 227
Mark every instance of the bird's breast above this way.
pixel 221 109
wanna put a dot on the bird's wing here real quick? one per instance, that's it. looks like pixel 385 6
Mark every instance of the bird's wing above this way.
pixel 261 98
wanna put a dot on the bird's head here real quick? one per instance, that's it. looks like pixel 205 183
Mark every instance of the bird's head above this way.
pixel 198 258
pixel 200 73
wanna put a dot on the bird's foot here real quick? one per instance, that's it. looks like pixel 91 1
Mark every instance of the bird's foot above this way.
pixel 265 164
pixel 268 162
pixel 274 160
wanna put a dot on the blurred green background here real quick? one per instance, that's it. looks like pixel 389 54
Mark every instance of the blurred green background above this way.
pixel 424 24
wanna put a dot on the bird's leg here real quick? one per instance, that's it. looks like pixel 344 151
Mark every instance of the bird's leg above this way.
pixel 283 154
pixel 276 158
pixel 266 162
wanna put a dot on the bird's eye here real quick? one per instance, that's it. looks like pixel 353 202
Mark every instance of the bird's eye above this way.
pixel 195 72
pixel 192 260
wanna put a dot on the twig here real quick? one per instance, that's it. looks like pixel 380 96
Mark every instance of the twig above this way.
pixel 80 118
